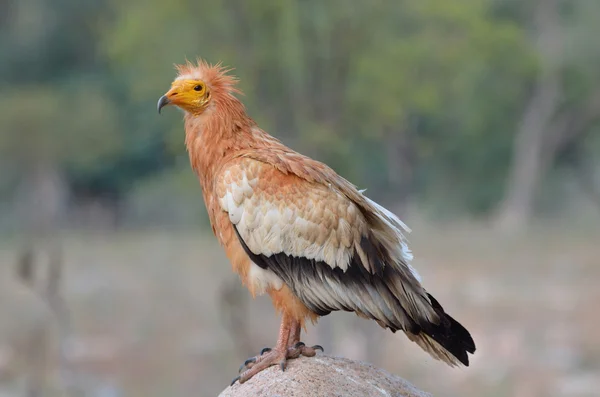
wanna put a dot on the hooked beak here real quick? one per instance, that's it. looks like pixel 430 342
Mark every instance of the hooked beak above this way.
pixel 162 102
pixel 172 97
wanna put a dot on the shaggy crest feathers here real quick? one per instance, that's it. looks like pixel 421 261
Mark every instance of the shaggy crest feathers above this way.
pixel 216 76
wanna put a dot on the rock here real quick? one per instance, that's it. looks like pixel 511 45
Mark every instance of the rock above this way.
pixel 324 376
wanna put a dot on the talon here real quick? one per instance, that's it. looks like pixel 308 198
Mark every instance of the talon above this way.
pixel 265 350
pixel 234 380
pixel 282 365
pixel 299 344
pixel 318 347
pixel 245 364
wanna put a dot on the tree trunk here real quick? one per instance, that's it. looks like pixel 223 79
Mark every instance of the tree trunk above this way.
pixel 528 166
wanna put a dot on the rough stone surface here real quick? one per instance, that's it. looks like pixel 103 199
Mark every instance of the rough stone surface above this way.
pixel 324 376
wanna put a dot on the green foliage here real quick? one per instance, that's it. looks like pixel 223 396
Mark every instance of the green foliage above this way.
pixel 58 125
pixel 443 82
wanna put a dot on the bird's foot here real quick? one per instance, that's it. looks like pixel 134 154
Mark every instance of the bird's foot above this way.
pixel 269 357
pixel 254 365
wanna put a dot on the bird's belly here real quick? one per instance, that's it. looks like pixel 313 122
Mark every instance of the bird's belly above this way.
pixel 285 301
pixel 261 280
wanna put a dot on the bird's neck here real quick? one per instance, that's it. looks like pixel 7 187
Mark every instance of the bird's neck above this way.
pixel 216 136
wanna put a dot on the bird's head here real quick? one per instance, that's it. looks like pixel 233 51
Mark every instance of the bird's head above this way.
pixel 198 87
pixel 191 95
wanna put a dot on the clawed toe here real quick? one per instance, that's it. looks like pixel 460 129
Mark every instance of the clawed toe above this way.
pixel 300 348
pixel 303 346
pixel 272 357
pixel 247 364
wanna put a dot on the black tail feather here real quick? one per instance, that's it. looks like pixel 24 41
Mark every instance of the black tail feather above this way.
pixel 450 334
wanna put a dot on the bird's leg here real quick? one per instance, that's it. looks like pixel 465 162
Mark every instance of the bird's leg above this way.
pixel 275 356
pixel 294 333
pixel 288 346
pixel 297 348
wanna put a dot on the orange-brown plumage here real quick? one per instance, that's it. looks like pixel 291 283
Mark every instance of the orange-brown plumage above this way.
pixel 295 229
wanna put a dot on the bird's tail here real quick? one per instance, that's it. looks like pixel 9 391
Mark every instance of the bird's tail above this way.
pixel 428 325
pixel 447 341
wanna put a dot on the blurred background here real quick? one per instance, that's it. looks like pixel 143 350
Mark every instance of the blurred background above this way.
pixel 476 121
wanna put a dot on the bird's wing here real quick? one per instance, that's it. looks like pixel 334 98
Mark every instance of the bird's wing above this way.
pixel 333 251
pixel 313 237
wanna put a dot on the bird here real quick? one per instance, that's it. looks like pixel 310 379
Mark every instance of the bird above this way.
pixel 296 230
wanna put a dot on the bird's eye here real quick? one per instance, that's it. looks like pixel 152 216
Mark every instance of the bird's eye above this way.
pixel 198 88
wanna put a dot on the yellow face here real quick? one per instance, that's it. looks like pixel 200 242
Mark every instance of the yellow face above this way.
pixel 190 95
